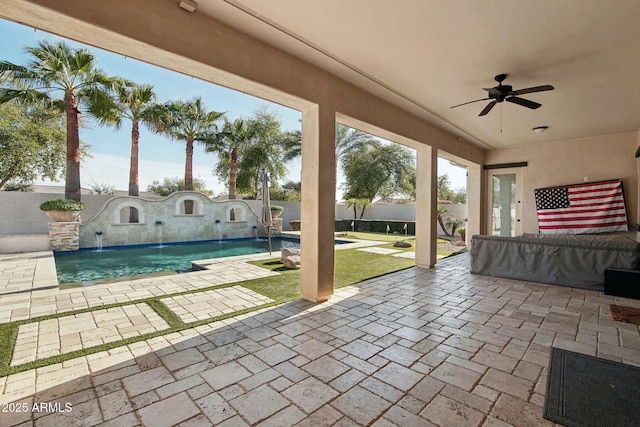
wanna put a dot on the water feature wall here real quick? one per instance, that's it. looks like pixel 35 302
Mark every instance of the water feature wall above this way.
pixel 182 216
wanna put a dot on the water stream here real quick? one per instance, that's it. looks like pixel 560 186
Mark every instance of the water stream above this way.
pixel 99 241
pixel 218 232
pixel 159 231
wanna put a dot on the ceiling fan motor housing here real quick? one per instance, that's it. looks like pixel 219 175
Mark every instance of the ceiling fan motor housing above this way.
pixel 500 92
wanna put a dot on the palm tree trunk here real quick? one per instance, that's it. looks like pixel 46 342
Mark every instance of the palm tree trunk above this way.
pixel 188 177
pixel 233 173
pixel 444 228
pixel 72 182
pixel 362 211
pixel 188 167
pixel 133 169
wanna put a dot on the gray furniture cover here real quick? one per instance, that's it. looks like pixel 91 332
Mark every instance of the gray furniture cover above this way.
pixel 569 260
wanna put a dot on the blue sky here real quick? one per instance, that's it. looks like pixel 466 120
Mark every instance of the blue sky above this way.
pixel 159 156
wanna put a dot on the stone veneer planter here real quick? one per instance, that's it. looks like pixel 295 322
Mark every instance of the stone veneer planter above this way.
pixel 64 236
pixel 63 216
pixel 275 213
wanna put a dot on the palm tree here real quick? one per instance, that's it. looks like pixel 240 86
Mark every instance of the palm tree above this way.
pixel 188 121
pixel 347 139
pixel 56 69
pixel 248 146
pixel 138 104
pixel 228 141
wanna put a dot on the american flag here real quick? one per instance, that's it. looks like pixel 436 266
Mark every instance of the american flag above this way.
pixel 596 207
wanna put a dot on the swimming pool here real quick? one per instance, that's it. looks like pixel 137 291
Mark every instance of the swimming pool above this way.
pixel 88 267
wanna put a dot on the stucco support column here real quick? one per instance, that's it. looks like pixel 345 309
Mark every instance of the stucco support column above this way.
pixel 318 203
pixel 426 207
pixel 635 226
pixel 474 202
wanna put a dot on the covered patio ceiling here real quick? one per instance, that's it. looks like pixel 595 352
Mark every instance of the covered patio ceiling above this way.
pixel 428 55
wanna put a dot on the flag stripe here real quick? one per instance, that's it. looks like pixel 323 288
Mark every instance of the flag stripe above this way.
pixel 574 190
pixel 582 208
pixel 584 218
pixel 593 197
pixel 556 227
pixel 561 213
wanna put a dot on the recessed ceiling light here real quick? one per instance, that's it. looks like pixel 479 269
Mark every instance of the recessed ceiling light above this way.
pixel 540 129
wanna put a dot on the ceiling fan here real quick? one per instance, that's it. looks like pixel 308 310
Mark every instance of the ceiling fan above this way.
pixel 503 93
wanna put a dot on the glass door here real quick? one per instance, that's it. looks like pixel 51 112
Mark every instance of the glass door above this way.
pixel 504 217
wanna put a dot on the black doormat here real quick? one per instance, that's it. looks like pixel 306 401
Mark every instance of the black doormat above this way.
pixel 587 391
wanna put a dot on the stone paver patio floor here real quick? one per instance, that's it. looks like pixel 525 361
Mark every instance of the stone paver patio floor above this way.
pixel 436 347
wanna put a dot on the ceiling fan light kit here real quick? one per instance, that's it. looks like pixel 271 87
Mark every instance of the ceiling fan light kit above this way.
pixel 188 5
pixel 503 93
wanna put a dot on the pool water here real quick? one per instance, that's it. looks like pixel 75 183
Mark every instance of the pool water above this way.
pixel 92 266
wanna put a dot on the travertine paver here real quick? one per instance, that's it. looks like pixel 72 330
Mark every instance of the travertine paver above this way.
pixel 379 251
pixel 216 302
pixel 418 347
pixel 20 273
pixel 408 254
pixel 65 334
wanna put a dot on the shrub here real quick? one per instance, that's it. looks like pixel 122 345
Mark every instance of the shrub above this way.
pixel 63 205
pixel 377 226
pixel 369 225
pixel 276 208
pixel 463 232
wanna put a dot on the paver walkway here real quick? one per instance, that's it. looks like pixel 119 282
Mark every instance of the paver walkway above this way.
pixel 69 333
pixel 427 347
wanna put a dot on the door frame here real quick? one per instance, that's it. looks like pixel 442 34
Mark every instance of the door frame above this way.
pixel 518 196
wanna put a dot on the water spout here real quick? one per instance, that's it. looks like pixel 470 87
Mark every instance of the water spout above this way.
pixel 159 231
pixel 99 240
pixel 255 232
pixel 218 225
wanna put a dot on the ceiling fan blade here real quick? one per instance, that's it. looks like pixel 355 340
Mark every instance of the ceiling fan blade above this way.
pixel 488 108
pixel 523 102
pixel 470 102
pixel 531 90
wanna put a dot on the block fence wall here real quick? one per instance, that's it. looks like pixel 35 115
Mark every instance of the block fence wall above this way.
pixel 21 214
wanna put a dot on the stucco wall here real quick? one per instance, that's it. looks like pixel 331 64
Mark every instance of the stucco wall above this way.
pixel 175 227
pixel 569 162
pixel 21 214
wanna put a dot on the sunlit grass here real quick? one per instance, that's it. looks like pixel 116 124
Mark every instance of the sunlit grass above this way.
pixel 383 237
pixel 351 266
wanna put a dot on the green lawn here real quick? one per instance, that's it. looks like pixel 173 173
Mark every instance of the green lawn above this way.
pixel 383 237
pixel 351 266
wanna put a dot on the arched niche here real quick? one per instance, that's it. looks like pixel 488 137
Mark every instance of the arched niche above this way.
pixel 189 205
pixel 129 213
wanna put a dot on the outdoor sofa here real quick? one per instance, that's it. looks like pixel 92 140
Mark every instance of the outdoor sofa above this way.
pixel 568 260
